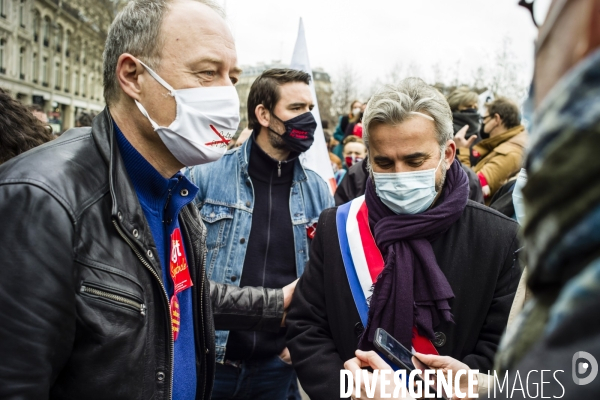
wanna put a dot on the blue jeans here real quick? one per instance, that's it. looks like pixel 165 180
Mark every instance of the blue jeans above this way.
pixel 269 379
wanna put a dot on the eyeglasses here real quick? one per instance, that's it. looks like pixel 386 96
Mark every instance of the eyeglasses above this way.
pixel 482 119
pixel 538 9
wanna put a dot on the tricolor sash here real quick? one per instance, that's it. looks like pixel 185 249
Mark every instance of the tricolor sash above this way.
pixel 363 262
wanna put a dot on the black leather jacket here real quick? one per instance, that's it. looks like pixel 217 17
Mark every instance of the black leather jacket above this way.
pixel 84 312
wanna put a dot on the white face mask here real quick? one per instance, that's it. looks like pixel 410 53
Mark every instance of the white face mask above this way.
pixel 356 111
pixel 207 118
pixel 517 196
pixel 407 192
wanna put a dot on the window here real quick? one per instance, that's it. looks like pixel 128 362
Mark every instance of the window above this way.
pixel 92 87
pixel 59 39
pixel 22 13
pixel 36 68
pixel 45 71
pixel 57 76
pixel 67 43
pixel 76 83
pixel 46 31
pixel 84 85
pixel 22 63
pixel 2 51
pixel 67 84
pixel 77 48
pixel 3 8
pixel 36 26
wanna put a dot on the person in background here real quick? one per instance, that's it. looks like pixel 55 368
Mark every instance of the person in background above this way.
pixel 424 240
pixel 504 199
pixel 463 103
pixel 340 129
pixel 464 106
pixel 354 151
pixel 39 113
pixel 20 130
pixel 353 183
pixel 500 153
pixel 261 216
pixel 336 162
pixel 84 119
pixel 355 125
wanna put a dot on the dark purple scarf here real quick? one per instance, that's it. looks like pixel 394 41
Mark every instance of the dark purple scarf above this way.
pixel 412 290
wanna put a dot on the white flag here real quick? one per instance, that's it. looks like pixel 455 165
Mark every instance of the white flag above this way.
pixel 317 157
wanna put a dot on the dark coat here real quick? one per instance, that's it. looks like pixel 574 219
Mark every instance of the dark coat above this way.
pixel 502 200
pixel 477 255
pixel 353 184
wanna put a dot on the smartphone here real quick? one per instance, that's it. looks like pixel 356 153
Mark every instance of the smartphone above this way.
pixel 394 350
pixel 397 353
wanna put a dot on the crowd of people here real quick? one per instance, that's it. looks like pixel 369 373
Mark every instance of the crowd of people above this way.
pixel 149 254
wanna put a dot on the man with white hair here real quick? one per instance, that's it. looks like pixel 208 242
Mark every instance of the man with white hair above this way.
pixel 103 290
pixel 413 256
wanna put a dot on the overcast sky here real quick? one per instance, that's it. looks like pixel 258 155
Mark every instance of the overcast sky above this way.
pixel 372 36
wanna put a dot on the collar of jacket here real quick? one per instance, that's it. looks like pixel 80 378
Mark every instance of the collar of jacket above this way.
pixel 244 156
pixel 487 145
pixel 126 213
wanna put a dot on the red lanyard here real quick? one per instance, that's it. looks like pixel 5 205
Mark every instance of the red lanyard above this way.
pixel 180 275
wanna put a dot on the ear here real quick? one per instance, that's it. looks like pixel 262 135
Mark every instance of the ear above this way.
pixel 128 73
pixel 262 115
pixel 450 153
pixel 498 119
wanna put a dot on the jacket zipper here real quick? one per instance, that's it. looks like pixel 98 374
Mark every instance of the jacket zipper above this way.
pixel 166 296
pixel 279 169
pixel 268 241
pixel 141 307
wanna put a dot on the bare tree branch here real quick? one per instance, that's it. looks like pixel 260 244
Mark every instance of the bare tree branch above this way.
pixel 345 89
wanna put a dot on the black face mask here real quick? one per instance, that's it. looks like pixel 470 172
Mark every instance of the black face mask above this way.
pixel 482 133
pixel 299 132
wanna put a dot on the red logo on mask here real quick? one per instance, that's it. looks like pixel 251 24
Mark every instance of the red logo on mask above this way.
pixel 298 134
pixel 223 140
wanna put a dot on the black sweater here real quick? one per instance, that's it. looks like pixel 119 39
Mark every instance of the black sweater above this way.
pixel 270 259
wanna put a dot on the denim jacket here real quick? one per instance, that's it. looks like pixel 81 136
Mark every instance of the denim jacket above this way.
pixel 225 202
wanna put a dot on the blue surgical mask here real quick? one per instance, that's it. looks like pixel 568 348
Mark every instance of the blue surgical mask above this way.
pixel 407 192
pixel 517 196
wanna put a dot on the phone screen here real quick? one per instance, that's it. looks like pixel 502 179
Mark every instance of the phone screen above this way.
pixel 396 352
pixel 393 348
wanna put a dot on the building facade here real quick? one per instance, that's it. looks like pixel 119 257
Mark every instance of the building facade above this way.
pixel 322 83
pixel 50 56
